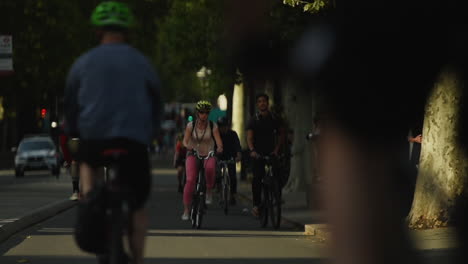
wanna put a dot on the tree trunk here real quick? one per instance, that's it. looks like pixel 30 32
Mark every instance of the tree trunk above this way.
pixel 299 112
pixel 443 166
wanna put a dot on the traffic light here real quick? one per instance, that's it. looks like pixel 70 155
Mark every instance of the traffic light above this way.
pixel 43 112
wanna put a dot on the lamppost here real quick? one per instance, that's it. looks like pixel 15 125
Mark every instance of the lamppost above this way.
pixel 203 74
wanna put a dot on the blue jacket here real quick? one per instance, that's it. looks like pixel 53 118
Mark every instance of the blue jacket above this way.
pixel 112 91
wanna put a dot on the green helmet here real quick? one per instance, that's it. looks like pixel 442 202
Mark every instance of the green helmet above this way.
pixel 203 106
pixel 112 13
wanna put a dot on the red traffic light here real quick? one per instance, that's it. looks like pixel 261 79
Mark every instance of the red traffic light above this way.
pixel 43 112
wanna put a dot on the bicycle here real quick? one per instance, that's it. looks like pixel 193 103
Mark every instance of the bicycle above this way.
pixel 118 198
pixel 270 204
pixel 199 197
pixel 225 184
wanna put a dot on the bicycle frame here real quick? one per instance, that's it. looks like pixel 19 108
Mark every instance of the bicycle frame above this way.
pixel 199 197
pixel 225 187
pixel 117 204
pixel 271 195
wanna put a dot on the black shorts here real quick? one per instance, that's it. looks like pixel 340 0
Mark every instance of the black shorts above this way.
pixel 135 167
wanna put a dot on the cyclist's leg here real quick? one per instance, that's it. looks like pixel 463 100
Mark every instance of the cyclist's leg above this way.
pixel 191 174
pixel 138 176
pixel 258 169
pixel 88 176
pixel 233 179
pixel 74 171
pixel 277 173
pixel 137 239
pixel 90 164
pixel 210 174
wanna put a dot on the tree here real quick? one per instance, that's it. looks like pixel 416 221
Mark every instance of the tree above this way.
pixel 443 171
pixel 189 38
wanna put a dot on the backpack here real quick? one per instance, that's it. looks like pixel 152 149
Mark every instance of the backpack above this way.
pixel 91 225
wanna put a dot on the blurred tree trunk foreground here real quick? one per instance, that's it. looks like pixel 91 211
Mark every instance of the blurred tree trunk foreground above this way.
pixel 443 166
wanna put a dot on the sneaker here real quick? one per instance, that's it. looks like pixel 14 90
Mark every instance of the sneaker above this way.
pixel 185 217
pixel 209 198
pixel 74 196
pixel 255 212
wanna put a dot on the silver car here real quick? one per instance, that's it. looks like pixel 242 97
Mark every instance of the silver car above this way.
pixel 36 153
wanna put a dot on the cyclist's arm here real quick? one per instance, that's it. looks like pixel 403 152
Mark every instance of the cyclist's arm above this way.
pixel 219 142
pixel 250 139
pixel 187 136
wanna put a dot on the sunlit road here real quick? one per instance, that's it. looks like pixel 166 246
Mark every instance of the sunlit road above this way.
pixel 236 238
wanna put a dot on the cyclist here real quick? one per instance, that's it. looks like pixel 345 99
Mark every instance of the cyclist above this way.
pixel 179 161
pixel 265 135
pixel 112 100
pixel 202 136
pixel 69 163
pixel 231 150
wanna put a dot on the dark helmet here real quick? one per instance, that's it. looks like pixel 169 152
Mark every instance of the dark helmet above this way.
pixel 223 121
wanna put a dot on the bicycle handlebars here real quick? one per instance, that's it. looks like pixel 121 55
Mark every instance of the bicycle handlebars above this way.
pixel 195 153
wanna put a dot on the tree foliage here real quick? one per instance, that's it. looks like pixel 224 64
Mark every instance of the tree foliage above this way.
pixel 310 6
pixel 188 39
pixel 180 36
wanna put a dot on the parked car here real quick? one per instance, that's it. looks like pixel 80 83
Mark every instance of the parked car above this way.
pixel 37 153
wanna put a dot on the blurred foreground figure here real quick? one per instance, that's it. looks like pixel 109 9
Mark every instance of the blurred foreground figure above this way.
pixel 373 63
pixel 113 103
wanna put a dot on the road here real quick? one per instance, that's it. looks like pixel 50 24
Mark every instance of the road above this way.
pixel 236 238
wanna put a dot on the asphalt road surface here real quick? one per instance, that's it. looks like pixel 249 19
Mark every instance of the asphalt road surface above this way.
pixel 235 238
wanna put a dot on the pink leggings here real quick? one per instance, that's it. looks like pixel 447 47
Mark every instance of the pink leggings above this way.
pixel 191 172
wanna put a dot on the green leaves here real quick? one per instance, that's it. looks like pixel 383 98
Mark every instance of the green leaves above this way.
pixel 314 6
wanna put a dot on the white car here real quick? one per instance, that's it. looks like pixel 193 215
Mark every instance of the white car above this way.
pixel 36 153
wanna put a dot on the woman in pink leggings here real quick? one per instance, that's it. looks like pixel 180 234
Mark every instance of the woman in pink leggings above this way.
pixel 200 135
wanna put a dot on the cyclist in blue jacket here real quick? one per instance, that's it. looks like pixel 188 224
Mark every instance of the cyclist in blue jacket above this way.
pixel 112 100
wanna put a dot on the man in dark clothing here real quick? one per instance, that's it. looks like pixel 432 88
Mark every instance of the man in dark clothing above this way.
pixel 231 150
pixel 265 136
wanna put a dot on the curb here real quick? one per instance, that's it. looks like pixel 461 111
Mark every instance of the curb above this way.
pixel 321 231
pixel 36 216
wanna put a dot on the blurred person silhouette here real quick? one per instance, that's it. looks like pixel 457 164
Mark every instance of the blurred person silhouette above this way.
pixel 265 136
pixel 112 101
pixel 180 154
pixel 70 163
pixel 374 65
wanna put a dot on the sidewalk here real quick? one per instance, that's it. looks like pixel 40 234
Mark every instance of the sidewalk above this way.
pixel 30 200
pixel 295 210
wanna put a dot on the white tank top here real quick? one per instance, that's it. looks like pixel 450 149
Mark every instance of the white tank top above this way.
pixel 201 139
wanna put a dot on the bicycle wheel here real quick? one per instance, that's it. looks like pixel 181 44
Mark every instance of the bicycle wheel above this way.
pixel 264 207
pixel 226 190
pixel 200 211
pixel 275 208
pixel 194 211
pixel 116 250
